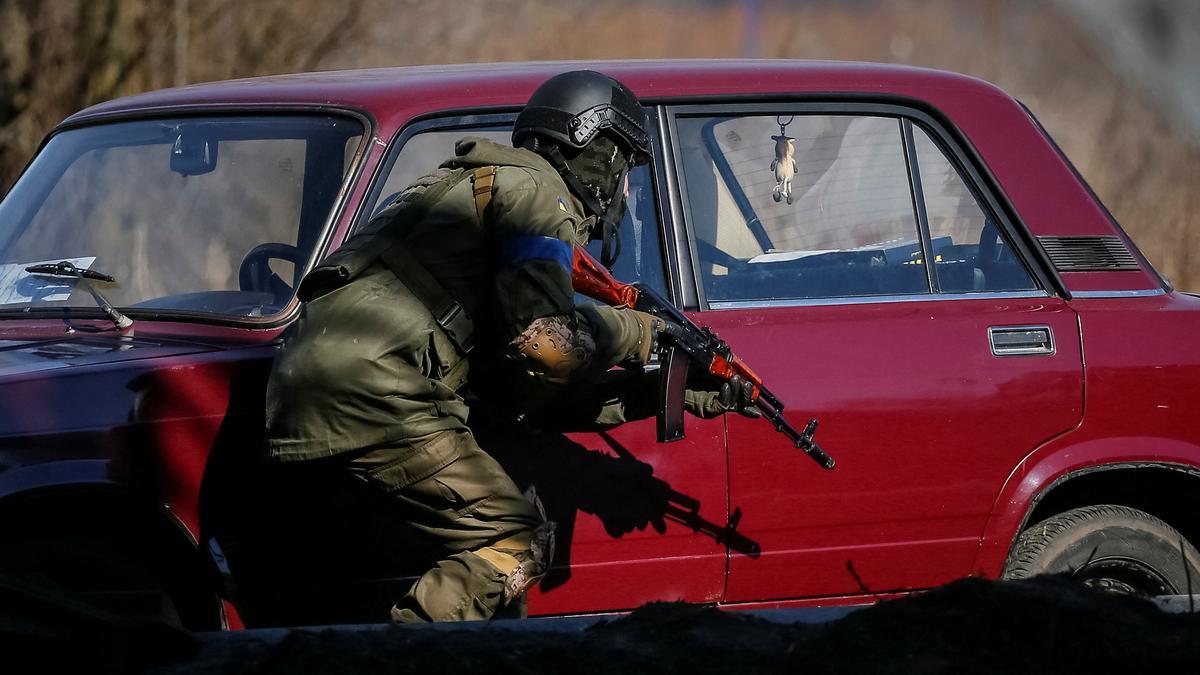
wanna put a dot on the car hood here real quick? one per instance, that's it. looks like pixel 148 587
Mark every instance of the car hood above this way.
pixel 20 357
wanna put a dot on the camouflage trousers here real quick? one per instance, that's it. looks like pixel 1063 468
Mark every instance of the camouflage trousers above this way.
pixel 447 490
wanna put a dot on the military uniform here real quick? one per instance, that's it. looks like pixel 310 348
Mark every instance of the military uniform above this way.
pixel 370 373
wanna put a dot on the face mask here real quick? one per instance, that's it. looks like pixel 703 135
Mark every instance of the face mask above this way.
pixel 600 166
pixel 596 175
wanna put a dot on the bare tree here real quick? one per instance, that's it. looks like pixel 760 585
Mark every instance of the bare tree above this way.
pixel 58 57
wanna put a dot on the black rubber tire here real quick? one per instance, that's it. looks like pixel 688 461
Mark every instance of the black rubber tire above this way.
pixel 1110 548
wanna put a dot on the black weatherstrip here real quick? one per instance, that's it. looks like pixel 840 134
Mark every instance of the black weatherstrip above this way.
pixel 918 199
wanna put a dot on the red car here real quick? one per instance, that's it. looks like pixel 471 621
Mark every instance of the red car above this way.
pixel 1006 383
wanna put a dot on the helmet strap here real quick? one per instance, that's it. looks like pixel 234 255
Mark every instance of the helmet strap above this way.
pixel 610 224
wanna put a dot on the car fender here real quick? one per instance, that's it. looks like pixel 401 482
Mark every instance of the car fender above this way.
pixel 79 478
pixel 1058 462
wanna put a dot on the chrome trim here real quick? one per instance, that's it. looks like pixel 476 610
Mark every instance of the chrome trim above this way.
pixel 1002 352
pixel 916 192
pixel 1141 293
pixel 675 239
pixel 692 290
pixel 872 299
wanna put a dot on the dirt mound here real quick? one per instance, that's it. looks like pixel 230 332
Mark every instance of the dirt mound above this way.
pixel 1049 625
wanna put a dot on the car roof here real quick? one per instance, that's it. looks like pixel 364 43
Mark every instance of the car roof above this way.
pixel 394 95
pixel 992 126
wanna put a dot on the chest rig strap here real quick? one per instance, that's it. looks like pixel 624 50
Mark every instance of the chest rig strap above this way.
pixel 448 312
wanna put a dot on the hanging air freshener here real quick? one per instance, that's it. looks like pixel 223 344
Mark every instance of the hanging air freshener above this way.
pixel 784 165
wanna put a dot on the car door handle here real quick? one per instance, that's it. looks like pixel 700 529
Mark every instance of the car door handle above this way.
pixel 1021 340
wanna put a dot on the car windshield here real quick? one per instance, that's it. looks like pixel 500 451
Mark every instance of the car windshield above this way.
pixel 199 214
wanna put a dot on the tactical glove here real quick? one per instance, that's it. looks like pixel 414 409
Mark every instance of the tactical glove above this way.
pixel 733 395
pixel 736 394
pixel 650 327
pixel 622 335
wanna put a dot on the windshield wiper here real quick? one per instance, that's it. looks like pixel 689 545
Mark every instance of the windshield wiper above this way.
pixel 67 269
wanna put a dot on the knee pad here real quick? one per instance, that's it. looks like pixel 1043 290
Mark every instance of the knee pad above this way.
pixel 533 563
pixel 523 558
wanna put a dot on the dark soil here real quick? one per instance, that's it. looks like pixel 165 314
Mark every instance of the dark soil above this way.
pixel 1044 625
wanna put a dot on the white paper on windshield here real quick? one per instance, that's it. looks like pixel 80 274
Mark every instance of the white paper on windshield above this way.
pixel 20 287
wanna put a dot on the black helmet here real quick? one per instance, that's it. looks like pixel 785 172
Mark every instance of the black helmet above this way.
pixel 573 108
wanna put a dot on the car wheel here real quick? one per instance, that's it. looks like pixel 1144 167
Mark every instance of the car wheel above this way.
pixel 1109 548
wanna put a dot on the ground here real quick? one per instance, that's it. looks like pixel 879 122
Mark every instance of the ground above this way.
pixel 1044 625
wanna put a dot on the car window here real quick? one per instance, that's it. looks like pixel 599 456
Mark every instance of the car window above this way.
pixel 201 214
pixel 423 153
pixel 804 206
pixel 970 253
pixel 642 256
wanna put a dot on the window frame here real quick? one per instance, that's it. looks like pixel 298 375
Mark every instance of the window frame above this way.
pixel 945 137
pixel 448 122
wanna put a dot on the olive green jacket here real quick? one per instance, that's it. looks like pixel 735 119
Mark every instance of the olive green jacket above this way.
pixel 366 363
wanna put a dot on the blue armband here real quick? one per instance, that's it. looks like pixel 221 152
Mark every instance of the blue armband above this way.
pixel 522 247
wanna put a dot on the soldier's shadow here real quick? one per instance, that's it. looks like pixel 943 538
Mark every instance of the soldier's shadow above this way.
pixel 304 551
pixel 621 491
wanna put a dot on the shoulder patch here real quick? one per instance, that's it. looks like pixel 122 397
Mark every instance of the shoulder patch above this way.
pixel 562 205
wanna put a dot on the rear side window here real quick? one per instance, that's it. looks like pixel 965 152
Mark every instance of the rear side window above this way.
pixel 812 206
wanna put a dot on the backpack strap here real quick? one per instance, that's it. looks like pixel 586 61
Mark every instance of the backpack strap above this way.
pixel 484 181
pixel 447 311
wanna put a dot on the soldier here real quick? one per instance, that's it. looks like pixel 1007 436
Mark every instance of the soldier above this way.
pixel 469 269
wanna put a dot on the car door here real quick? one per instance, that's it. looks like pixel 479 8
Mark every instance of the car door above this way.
pixel 636 521
pixel 812 229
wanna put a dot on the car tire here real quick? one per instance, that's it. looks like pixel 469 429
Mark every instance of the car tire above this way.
pixel 1109 548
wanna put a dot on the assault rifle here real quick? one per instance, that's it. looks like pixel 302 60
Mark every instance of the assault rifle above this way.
pixel 686 341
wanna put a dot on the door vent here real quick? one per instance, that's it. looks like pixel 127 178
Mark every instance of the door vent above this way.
pixel 1089 254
